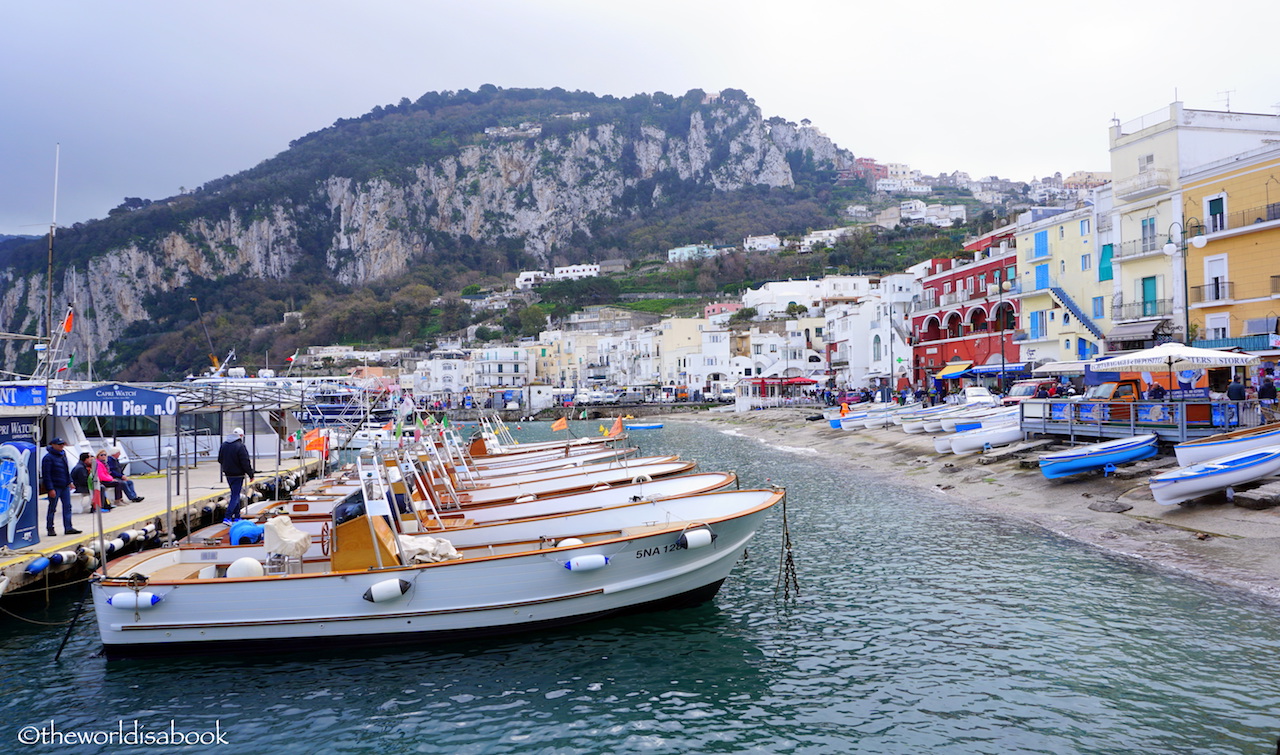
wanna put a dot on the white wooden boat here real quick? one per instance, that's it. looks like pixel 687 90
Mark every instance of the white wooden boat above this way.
pixel 913 422
pixel 977 440
pixel 973 418
pixel 642 425
pixel 582 479
pixel 528 575
pixel 1186 483
pixel 1223 444
pixel 607 456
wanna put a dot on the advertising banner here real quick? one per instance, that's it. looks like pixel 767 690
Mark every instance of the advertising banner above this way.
pixel 19 494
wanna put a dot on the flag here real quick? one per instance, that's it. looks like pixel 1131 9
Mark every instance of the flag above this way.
pixel 295 356
pixel 71 361
pixel 617 427
pixel 388 426
pixel 583 415
pixel 444 422
pixel 560 424
pixel 66 324
pixel 317 441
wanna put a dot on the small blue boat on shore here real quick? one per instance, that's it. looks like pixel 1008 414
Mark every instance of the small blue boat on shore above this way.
pixel 643 425
pixel 1098 456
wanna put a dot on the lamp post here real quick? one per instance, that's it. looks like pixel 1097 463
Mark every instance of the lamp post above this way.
pixel 1172 248
pixel 1001 286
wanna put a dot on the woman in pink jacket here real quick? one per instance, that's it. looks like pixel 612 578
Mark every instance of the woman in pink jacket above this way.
pixel 106 480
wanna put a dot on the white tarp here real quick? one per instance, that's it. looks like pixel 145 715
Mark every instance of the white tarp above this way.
pixel 282 538
pixel 426 549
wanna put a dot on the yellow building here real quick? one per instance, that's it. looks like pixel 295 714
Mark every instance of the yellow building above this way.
pixel 1065 287
pixel 1232 210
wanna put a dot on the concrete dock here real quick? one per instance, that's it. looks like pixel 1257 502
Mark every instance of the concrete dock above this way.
pixel 186 492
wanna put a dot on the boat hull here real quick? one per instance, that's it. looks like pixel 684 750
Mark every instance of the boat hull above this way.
pixel 976 440
pixel 479 596
pixel 1216 446
pixel 1197 480
pixel 1097 456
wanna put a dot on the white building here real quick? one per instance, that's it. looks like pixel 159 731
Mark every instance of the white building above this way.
pixel 502 367
pixel 772 298
pixel 761 243
pixel 818 239
pixel 691 252
pixel 575 272
pixel 530 278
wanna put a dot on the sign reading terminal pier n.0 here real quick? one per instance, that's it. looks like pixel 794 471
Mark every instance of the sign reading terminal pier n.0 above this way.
pixel 115 400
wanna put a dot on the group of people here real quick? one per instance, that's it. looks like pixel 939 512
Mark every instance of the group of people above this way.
pixel 90 477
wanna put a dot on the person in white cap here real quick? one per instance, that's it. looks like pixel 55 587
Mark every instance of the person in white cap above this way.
pixel 236 466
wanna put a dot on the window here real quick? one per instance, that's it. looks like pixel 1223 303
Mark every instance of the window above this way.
pixel 1084 227
pixel 1216 209
pixel 1086 262
pixel 1217 326
pixel 1105 272
pixel 1097 307
pixel 875 349
pixel 1062 232
pixel 1146 163
pixel 1041 244
pixel 1149 242
pixel 1038 329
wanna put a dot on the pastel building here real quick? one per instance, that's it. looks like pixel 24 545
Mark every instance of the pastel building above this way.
pixel 1232 252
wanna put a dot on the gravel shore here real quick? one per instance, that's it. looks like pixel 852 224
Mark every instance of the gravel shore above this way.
pixel 1212 539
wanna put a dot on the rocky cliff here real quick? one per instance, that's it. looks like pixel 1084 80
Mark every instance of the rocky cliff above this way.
pixel 538 183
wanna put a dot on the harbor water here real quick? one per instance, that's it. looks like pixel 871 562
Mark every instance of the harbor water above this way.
pixel 920 625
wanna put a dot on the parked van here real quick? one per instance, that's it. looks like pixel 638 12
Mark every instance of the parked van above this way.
pixel 1025 389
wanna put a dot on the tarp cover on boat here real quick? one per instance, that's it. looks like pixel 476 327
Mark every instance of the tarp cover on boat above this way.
pixel 428 550
pixel 282 538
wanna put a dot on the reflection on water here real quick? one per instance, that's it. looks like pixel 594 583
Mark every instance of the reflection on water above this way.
pixel 920 625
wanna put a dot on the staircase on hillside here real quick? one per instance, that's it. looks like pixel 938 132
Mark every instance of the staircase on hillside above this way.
pixel 1065 300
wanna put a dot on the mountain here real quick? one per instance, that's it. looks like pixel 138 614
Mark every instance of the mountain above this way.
pixel 429 192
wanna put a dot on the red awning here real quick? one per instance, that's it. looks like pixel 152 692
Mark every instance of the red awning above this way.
pixel 783 381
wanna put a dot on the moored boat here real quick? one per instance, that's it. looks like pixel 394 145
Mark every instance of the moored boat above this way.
pixel 1098 455
pixel 517 577
pixel 1196 480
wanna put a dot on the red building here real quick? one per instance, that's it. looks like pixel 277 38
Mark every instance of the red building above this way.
pixel 964 323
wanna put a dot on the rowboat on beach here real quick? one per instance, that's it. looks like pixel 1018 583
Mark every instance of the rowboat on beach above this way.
pixel 1098 455
pixel 1223 444
pixel 1186 483
pixel 977 440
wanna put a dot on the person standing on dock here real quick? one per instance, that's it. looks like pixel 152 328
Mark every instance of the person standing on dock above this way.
pixel 55 477
pixel 236 465
pixel 1235 391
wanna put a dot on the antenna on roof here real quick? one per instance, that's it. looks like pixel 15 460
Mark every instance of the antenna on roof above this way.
pixel 1227 97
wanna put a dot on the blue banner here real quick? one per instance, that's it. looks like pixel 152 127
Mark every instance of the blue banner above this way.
pixel 19 494
pixel 22 395
pixel 115 400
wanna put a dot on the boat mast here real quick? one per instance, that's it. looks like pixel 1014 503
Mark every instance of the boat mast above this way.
pixel 53 227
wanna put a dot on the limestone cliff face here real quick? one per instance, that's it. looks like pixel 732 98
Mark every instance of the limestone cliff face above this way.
pixel 540 190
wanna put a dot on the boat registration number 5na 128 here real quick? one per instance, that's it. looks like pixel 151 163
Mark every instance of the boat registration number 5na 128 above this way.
pixel 647 552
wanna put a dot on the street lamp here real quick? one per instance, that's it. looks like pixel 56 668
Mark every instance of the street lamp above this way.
pixel 1171 248
pixel 1001 286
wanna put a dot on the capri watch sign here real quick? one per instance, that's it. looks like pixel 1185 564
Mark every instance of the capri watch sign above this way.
pixel 115 400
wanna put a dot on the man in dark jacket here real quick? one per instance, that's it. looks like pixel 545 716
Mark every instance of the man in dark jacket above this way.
pixel 1235 391
pixel 1267 393
pixel 55 477
pixel 236 465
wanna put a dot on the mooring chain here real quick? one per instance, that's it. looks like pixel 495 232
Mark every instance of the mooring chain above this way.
pixel 788 580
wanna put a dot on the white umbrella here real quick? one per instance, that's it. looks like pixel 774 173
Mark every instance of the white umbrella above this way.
pixel 1175 357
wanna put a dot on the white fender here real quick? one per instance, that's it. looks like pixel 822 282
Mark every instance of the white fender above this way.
pixel 641 478
pixel 114 545
pixel 63 557
pixel 245 567
pixel 133 601
pixel 568 541
pixel 387 589
pixel 587 563
pixel 697 538
pixel 526 498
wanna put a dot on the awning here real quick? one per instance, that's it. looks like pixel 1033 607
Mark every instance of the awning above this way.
pixel 953 370
pixel 991 369
pixel 1135 331
pixel 1062 368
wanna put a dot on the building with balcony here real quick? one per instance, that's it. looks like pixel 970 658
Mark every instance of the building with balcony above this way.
pixel 1150 156
pixel 966 317
pixel 1065 291
pixel 1232 254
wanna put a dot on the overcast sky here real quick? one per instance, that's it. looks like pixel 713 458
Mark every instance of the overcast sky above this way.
pixel 146 97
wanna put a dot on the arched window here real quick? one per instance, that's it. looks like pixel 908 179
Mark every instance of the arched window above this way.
pixel 875 349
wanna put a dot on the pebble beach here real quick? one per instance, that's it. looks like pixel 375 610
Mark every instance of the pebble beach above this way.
pixel 1212 539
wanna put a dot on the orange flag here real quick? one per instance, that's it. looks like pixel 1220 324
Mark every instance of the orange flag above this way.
pixel 66 324
pixel 560 424
pixel 617 427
